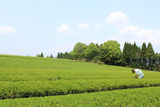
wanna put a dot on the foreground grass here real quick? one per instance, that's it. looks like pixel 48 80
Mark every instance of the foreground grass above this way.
pixel 139 97
pixel 35 77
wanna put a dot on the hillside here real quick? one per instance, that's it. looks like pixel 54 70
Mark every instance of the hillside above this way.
pixel 22 76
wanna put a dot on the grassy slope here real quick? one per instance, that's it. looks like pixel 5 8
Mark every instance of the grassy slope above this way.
pixel 19 73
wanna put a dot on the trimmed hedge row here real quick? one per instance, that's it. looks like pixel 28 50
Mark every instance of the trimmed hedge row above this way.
pixel 139 97
pixel 63 87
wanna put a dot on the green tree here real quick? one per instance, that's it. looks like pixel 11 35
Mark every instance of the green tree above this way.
pixel 157 62
pixel 128 54
pixel 38 55
pixel 150 56
pixel 91 51
pixel 58 55
pixel 113 51
pixel 61 55
pixel 143 55
pixel 65 55
pixel 124 55
pixel 42 54
pixel 133 52
pixel 138 57
pixel 78 50
pixel 51 56
pixel 102 54
pixel 70 56
pixel 134 55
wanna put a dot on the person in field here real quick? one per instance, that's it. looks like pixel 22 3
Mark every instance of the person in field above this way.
pixel 138 73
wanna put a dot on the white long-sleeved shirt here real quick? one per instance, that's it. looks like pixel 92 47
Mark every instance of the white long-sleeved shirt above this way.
pixel 138 71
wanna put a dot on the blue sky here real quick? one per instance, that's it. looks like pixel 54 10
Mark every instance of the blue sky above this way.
pixel 29 27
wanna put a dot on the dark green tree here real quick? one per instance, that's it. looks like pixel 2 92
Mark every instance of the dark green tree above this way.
pixel 102 55
pixel 138 57
pixel 134 55
pixel 58 55
pixel 157 62
pixel 42 54
pixel 150 56
pixel 143 55
pixel 51 56
pixel 65 55
pixel 128 54
pixel 124 55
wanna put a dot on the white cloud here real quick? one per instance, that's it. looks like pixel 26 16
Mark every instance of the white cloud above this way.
pixel 118 19
pixel 133 34
pixel 98 26
pixel 139 33
pixel 64 29
pixel 83 26
pixel 128 30
pixel 7 30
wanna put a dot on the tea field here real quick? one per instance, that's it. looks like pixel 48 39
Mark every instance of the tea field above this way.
pixel 34 81
pixel 139 97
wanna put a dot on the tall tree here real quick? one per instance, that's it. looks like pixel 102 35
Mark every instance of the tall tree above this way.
pixel 42 54
pixel 133 55
pixel 138 57
pixel 157 62
pixel 128 55
pixel 51 56
pixel 124 55
pixel 143 55
pixel 150 56
pixel 58 55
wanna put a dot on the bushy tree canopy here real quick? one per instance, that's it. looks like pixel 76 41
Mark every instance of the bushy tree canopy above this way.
pixel 91 51
pixel 78 50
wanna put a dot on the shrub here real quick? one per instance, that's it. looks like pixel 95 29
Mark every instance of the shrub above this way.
pixel 100 62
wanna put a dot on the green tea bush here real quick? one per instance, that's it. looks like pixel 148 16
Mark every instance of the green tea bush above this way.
pixel 139 97
pixel 36 77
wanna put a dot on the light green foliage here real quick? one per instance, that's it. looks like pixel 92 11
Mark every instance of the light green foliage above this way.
pixel 140 97
pixel 113 50
pixel 91 51
pixel 78 49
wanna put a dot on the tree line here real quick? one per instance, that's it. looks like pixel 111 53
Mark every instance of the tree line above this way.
pixel 110 53
pixel 41 55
